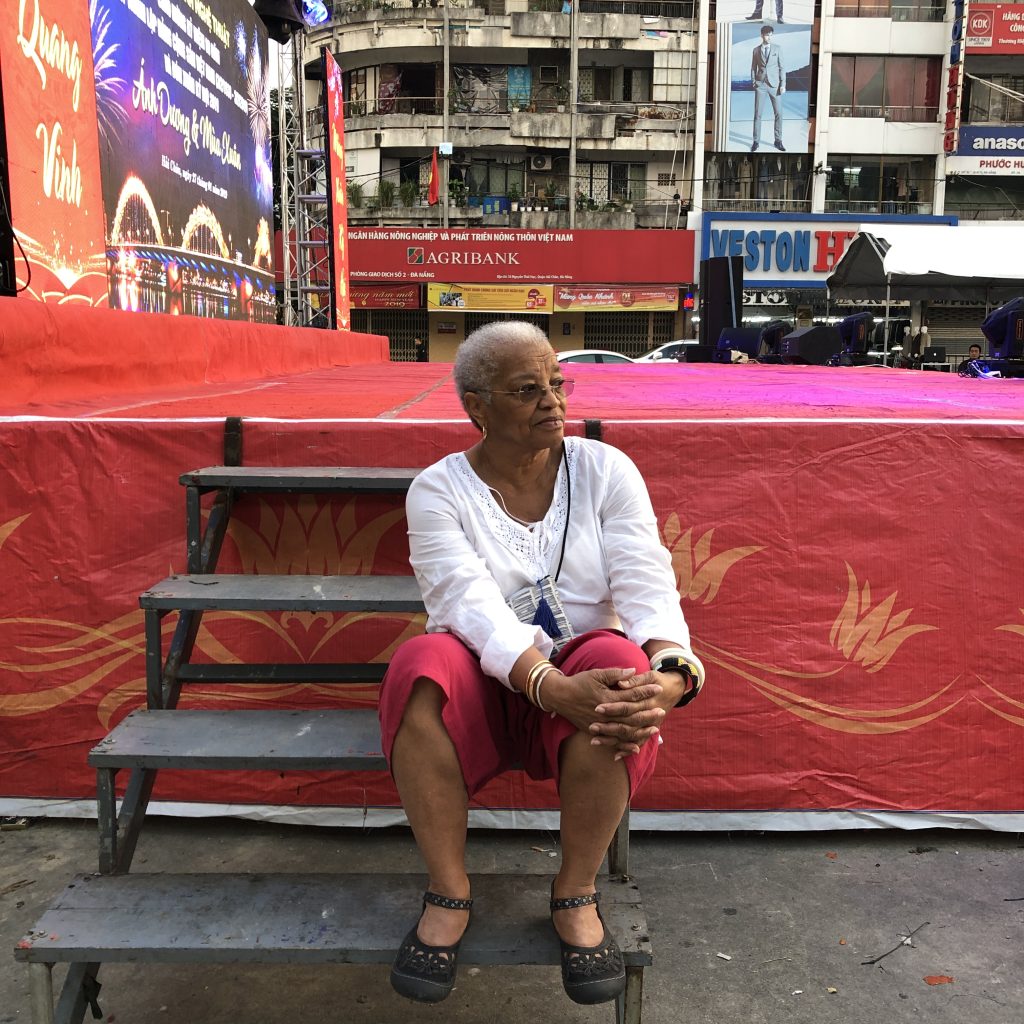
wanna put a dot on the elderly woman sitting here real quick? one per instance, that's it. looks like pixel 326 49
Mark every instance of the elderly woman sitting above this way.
pixel 555 641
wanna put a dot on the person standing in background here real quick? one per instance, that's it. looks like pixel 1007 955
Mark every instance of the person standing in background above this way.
pixel 420 350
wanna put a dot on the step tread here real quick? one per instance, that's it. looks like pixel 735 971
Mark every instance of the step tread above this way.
pixel 285 593
pixel 301 740
pixel 301 478
pixel 321 918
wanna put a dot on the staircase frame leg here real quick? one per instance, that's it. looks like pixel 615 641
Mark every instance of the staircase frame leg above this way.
pixel 41 985
pixel 629 1005
pixel 73 998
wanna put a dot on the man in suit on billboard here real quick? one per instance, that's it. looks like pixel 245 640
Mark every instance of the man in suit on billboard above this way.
pixel 769 80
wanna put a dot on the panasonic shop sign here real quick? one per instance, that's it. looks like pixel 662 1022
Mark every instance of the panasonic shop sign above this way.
pixel 787 250
pixel 994 149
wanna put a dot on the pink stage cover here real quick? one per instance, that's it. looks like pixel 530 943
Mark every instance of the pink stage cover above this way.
pixel 846 544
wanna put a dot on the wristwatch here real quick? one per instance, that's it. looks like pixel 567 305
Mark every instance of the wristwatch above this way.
pixel 674 663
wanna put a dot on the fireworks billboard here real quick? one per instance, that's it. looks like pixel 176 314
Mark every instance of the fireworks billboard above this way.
pixel 56 201
pixel 184 137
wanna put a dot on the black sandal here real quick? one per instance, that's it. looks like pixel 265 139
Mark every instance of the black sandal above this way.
pixel 590 974
pixel 427 973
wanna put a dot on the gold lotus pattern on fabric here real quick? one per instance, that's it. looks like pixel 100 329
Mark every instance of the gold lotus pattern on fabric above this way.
pixel 64 659
pixel 699 574
pixel 870 636
pixel 312 537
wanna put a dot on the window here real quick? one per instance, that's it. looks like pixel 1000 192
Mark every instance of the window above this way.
pixel 989 100
pixel 893 88
pixel 898 10
pixel 866 184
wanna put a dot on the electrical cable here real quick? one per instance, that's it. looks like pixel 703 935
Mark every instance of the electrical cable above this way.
pixel 14 235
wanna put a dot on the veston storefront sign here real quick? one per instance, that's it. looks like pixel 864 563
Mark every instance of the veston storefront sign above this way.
pixel 787 251
pixel 495 257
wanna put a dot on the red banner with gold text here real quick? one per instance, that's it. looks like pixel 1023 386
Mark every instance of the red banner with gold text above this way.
pixel 56 201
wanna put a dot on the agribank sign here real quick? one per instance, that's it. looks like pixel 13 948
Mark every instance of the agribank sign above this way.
pixel 497 256
pixel 788 251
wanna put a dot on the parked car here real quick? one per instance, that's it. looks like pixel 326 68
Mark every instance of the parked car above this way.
pixel 593 355
pixel 671 351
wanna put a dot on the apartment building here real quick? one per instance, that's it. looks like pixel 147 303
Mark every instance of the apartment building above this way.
pixel 661 118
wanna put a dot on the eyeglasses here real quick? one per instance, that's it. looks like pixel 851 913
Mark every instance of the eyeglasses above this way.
pixel 533 392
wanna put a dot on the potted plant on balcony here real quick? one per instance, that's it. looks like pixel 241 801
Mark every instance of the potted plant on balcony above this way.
pixel 386 190
pixel 354 191
pixel 408 192
pixel 561 97
pixel 513 198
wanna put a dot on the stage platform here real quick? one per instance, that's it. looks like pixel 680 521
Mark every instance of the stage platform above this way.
pixel 846 541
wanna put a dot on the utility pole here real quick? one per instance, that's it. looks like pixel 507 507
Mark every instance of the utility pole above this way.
pixel 574 68
pixel 445 124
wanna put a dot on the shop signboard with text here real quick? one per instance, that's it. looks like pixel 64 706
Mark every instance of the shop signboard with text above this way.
pixel 496 256
pixel 386 296
pixel 790 251
pixel 995 29
pixel 989 149
pixel 616 300
pixel 484 298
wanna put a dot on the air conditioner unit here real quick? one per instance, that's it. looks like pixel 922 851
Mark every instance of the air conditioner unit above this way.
pixel 540 163
pixel 461 159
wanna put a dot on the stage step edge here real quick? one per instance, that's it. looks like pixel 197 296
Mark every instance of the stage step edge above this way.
pixel 308 918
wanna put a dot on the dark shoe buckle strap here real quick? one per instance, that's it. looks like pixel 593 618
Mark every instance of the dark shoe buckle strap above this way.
pixel 572 902
pixel 447 902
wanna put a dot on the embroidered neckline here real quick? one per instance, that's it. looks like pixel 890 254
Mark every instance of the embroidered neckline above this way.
pixel 535 547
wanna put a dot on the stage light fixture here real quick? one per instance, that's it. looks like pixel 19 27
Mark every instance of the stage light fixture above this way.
pixel 283 18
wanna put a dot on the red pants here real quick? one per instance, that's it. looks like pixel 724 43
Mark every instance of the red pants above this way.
pixel 493 728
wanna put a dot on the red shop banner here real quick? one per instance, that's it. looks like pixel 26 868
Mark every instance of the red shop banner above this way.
pixel 386 296
pixel 505 256
pixel 613 299
pixel 995 29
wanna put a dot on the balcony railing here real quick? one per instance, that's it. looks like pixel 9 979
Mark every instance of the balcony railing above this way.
pixel 876 206
pixel 888 112
pixel 757 205
pixel 687 9
pixel 926 10
pixel 983 211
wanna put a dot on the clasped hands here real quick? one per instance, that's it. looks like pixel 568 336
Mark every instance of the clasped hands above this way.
pixel 619 707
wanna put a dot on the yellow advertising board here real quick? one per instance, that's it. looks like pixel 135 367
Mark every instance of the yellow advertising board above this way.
pixel 612 298
pixel 491 298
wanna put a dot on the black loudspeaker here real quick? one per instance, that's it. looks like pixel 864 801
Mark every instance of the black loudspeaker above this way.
pixel 814 345
pixel 699 353
pixel 283 18
pixel 742 339
pixel 721 296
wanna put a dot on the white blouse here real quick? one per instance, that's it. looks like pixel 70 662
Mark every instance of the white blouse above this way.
pixel 469 556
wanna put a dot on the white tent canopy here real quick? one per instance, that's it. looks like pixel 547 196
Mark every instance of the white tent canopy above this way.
pixel 981 263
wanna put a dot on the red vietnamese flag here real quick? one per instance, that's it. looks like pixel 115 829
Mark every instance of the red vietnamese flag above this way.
pixel 433 191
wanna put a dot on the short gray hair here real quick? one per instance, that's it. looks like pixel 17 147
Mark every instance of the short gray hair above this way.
pixel 476 362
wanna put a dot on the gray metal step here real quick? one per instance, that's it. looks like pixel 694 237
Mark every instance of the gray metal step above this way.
pixel 300 478
pixel 285 593
pixel 333 740
pixel 265 672
pixel 322 918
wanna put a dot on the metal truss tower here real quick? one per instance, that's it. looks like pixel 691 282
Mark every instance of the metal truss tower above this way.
pixel 303 184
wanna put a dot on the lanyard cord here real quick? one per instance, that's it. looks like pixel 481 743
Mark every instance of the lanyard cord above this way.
pixel 568 510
